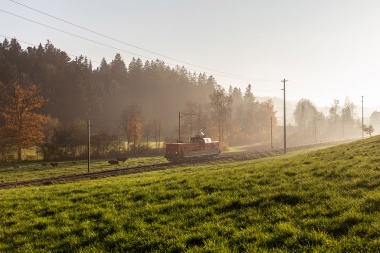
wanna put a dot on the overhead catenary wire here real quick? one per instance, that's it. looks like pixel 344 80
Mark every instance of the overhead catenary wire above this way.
pixel 229 75
pixel 138 47
pixel 253 89
pixel 72 34
pixel 225 75
pixel 32 44
pixel 125 43
pixel 109 46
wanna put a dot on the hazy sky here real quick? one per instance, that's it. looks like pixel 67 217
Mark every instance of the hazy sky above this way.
pixel 327 49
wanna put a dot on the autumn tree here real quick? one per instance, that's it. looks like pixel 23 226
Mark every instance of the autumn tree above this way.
pixel 66 141
pixel 334 111
pixel 334 117
pixel 189 124
pixel 348 112
pixel 250 113
pixel 266 119
pixel 305 115
pixel 50 125
pixel 368 129
pixel 49 128
pixel 375 119
pixel 220 110
pixel 148 130
pixel 237 114
pixel 76 90
pixel 22 126
pixel 157 132
pixel 132 124
pixel 349 126
pixel 103 143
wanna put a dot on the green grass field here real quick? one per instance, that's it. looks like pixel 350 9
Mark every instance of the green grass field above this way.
pixel 327 200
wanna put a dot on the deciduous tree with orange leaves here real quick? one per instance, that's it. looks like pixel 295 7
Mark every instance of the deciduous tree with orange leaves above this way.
pixel 131 123
pixel 23 126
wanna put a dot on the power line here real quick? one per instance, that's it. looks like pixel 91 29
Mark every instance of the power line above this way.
pixel 32 44
pixel 232 76
pixel 284 81
pixel 137 47
pixel 103 44
pixel 78 36
pixel 25 42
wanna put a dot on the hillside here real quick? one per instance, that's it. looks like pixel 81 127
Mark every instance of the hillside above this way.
pixel 325 200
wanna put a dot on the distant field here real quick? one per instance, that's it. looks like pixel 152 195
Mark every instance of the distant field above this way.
pixel 327 200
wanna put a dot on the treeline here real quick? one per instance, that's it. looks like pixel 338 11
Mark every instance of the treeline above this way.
pixel 314 126
pixel 138 103
pixel 73 90
pixel 76 90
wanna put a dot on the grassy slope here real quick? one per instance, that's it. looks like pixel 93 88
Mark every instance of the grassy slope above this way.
pixel 326 200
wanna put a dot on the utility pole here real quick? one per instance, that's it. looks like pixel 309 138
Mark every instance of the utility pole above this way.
pixel 88 147
pixel 362 119
pixel 284 81
pixel 271 132
pixel 159 134
pixel 315 130
pixel 179 127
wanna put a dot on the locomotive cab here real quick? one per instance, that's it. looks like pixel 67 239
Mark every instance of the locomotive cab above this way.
pixel 199 139
pixel 199 147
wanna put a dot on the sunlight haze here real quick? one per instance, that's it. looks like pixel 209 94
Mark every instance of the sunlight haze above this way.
pixel 326 49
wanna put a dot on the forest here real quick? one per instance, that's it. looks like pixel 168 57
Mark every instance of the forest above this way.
pixel 49 101
pixel 136 103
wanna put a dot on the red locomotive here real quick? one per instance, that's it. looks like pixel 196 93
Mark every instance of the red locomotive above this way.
pixel 199 147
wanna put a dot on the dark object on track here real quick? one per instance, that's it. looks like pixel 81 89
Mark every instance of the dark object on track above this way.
pixel 122 159
pixel 54 164
pixel 113 162
pixel 199 147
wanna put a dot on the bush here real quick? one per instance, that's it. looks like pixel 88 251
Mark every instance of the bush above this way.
pixel 103 143
pixel 7 153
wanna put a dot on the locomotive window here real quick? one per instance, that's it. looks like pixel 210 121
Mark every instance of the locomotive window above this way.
pixel 207 140
pixel 197 140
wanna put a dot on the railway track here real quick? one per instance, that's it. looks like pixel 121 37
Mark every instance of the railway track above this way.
pixel 107 173
pixel 252 154
pixel 91 175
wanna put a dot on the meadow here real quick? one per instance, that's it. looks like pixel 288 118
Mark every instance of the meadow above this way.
pixel 326 200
